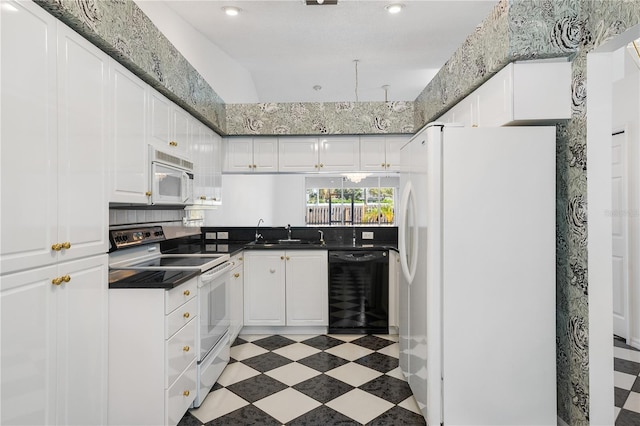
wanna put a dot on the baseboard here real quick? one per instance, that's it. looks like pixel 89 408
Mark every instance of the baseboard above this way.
pixel 254 329
pixel 635 343
pixel 562 422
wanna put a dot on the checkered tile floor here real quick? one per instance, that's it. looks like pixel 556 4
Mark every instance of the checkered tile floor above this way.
pixel 626 380
pixel 310 380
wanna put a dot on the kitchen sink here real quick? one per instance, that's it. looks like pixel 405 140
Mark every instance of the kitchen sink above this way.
pixel 284 242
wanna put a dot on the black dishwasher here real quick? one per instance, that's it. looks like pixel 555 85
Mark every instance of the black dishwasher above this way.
pixel 358 292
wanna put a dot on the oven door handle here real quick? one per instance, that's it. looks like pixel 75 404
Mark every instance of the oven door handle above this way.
pixel 206 278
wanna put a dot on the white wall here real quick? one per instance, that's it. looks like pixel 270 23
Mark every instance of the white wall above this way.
pixel 231 81
pixel 278 199
pixel 626 116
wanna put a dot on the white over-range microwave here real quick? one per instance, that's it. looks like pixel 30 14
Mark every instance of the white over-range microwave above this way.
pixel 171 178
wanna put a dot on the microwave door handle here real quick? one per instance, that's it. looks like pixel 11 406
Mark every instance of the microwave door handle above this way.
pixel 185 186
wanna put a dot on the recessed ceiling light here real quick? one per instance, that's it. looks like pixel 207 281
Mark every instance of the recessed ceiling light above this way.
pixel 394 8
pixel 317 87
pixel 231 10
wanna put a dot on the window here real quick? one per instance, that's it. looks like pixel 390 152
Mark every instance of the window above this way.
pixel 349 200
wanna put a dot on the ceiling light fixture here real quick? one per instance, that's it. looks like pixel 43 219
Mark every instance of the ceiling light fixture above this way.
pixel 317 87
pixel 231 10
pixel 394 8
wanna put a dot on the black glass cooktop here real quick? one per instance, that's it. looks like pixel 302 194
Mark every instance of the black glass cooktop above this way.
pixel 149 279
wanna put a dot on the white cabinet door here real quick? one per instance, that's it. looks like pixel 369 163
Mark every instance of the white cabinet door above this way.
pixel 205 152
pixel 392 149
pixel 128 180
pixel 307 287
pixel 298 154
pixel 495 100
pixel 264 288
pixel 237 296
pixel 372 153
pixel 28 357
pixel 180 131
pixel 28 135
pixel 82 146
pixel 82 342
pixel 159 120
pixel 339 154
pixel 54 356
pixel 265 154
pixel 239 155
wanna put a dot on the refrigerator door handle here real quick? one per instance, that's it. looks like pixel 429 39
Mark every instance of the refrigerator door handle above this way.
pixel 408 233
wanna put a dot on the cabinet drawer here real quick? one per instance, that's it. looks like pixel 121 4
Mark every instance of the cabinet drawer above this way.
pixel 181 294
pixel 181 394
pixel 180 316
pixel 180 351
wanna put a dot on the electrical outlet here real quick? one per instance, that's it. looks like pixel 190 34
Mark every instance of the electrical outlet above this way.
pixel 210 236
pixel 367 235
pixel 223 235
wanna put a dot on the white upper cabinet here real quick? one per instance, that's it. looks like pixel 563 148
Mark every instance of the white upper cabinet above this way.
pixel 521 93
pixel 381 153
pixel 298 154
pixel 247 154
pixel 83 79
pixel 339 154
pixel 169 125
pixel 54 128
pixel 308 154
pixel 29 133
pixel 128 180
pixel 206 152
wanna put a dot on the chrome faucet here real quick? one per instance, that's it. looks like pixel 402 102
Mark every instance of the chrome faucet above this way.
pixel 258 236
pixel 289 231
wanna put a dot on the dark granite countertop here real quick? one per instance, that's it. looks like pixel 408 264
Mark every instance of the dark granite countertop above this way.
pixel 234 247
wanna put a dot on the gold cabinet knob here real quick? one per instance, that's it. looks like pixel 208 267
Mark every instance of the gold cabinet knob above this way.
pixel 148 193
pixel 255 167
pixel 186 348
pixel 321 165
pixel 382 165
pixel 56 281
pixel 236 275
pixel 66 278
pixel 186 315
pixel 316 166
pixel 66 245
pixel 281 257
pixel 202 197
pixel 250 166
pixel 173 143
pixel 388 165
pixel 185 393
pixel 56 247
pixel 288 258
pixel 186 292
pixel 240 258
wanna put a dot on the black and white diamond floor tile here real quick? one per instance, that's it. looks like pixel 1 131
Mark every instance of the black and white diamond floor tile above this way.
pixel 310 380
pixel 626 377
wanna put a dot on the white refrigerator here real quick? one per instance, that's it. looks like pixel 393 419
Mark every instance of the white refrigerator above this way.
pixel 477 295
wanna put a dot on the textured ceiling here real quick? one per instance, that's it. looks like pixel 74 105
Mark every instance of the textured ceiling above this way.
pixel 289 47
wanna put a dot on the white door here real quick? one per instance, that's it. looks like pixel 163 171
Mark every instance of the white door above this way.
pixel 619 226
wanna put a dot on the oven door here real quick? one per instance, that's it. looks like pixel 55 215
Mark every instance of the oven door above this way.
pixel 213 293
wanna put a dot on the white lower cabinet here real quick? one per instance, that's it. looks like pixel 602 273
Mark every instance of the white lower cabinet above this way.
pixel 152 354
pixel 286 287
pixel 54 344
pixel 237 296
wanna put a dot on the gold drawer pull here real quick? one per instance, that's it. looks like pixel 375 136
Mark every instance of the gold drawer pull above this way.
pixel 66 278
pixel 186 348
pixel 186 292
pixel 185 393
pixel 202 197
pixel 66 245
pixel 236 275
pixel 388 165
pixel 281 257
pixel 173 143
pixel 288 258
pixel 56 281
pixel 148 193
pixel 186 315
pixel 56 247
pixel 382 164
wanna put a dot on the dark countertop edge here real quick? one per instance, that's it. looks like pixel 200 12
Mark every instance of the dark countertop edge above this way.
pixel 123 284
